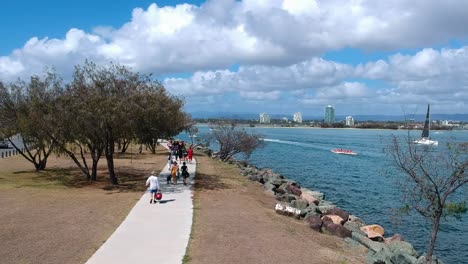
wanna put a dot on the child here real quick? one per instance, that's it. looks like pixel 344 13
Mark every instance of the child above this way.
pixel 185 173
pixel 174 171
pixel 153 183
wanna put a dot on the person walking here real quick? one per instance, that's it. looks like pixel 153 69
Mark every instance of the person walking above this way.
pixel 190 154
pixel 153 183
pixel 185 173
pixel 174 171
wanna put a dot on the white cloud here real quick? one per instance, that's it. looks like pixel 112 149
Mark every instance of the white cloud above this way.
pixel 276 45
pixel 260 96
pixel 218 34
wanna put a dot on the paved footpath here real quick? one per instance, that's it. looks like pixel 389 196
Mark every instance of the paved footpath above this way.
pixel 153 233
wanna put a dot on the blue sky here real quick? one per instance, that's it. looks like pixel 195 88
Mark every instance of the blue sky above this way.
pixel 276 56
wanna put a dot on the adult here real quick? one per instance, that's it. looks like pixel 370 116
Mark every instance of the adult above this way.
pixel 153 183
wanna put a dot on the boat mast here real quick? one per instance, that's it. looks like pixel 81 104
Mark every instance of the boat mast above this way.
pixel 425 133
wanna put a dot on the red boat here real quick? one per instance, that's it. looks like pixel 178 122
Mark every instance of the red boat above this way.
pixel 343 151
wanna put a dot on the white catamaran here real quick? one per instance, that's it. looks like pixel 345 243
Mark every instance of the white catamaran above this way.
pixel 425 139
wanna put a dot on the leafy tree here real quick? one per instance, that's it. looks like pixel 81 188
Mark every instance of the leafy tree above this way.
pixel 233 140
pixel 26 109
pixel 432 176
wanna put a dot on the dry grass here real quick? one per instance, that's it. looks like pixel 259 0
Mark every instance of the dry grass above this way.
pixel 55 216
pixel 234 222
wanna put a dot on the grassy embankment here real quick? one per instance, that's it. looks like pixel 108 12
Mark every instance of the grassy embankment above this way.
pixel 234 222
pixel 54 216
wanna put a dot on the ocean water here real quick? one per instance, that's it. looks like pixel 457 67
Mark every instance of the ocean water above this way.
pixel 364 185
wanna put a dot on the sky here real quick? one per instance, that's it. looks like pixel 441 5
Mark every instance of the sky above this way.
pixel 277 56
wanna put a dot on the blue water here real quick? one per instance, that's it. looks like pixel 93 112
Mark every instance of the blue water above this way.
pixel 364 185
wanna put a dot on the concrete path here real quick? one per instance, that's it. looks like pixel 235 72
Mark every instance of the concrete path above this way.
pixel 153 233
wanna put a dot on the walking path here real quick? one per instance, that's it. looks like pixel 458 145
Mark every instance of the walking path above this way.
pixel 153 233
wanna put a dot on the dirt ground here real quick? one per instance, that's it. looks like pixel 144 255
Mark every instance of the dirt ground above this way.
pixel 56 217
pixel 234 222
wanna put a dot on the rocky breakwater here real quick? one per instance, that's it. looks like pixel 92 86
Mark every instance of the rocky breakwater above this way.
pixel 325 217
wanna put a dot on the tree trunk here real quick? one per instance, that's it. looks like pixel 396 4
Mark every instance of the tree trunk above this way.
pixel 110 156
pixel 435 229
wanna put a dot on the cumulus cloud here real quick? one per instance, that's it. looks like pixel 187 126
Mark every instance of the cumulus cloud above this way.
pixel 276 47
pixel 218 34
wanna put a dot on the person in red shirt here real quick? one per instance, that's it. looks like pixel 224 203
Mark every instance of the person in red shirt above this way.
pixel 190 154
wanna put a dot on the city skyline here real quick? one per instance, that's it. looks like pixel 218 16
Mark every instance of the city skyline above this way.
pixel 389 57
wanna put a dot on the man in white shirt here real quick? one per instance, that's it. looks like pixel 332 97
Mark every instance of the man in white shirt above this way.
pixel 153 183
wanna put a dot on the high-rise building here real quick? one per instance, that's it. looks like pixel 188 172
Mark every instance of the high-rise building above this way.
pixel 297 117
pixel 349 121
pixel 329 115
pixel 264 118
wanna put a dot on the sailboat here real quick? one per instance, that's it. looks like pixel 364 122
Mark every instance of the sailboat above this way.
pixel 425 140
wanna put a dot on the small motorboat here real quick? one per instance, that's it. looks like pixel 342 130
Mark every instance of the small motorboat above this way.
pixel 343 151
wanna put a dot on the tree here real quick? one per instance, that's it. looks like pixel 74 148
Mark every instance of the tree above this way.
pixel 26 109
pixel 192 130
pixel 233 140
pixel 432 176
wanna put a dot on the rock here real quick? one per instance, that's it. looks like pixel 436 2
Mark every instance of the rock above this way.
pixel 324 206
pixel 300 204
pixel 336 229
pixel 336 219
pixel 287 210
pixel 353 218
pixel 374 232
pixel 354 227
pixel 277 182
pixel 285 197
pixel 308 196
pixel 356 245
pixel 403 247
pixel 282 189
pixel 315 222
pixel 422 260
pixel 293 189
pixel 372 245
pixel 254 177
pixel 339 212
pixel 311 210
pixel 396 237
pixel 403 258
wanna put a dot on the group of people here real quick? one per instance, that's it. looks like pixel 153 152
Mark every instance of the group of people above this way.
pixel 177 152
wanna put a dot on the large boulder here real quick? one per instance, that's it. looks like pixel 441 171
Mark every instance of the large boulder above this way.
pixel 396 237
pixel 300 204
pixel 293 189
pixel 338 211
pixel 353 218
pixel 372 245
pixel 309 196
pixel 311 210
pixel 288 198
pixel 282 189
pixel 314 222
pixel 403 258
pixel 287 210
pixel 325 206
pixel 254 177
pixel 403 247
pixel 336 219
pixel 335 229
pixel 354 227
pixel 374 232
pixel 277 182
